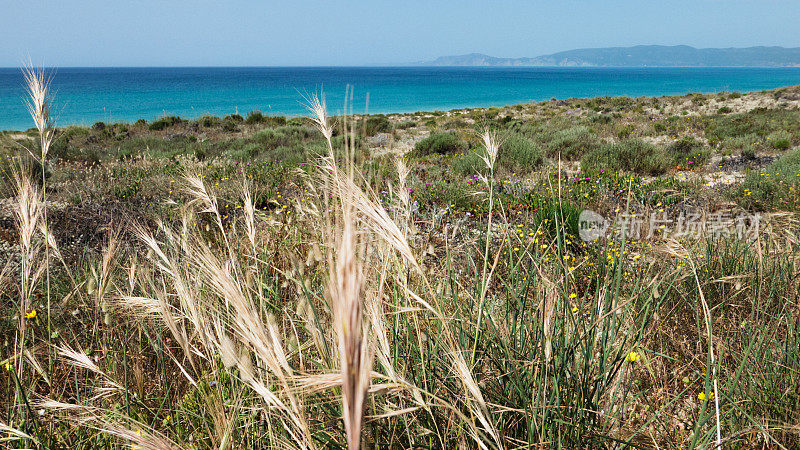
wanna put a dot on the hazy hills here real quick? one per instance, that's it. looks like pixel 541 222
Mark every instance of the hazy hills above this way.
pixel 640 56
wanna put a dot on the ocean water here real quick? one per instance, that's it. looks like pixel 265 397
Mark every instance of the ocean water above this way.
pixel 87 95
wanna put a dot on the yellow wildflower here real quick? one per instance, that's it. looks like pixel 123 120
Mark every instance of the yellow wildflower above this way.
pixel 632 357
pixel 31 314
pixel 702 396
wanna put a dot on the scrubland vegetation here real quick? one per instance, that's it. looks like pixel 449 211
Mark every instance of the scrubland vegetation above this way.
pixel 408 280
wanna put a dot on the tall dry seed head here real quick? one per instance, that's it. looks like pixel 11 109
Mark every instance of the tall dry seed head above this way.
pixel 345 291
pixel 492 147
pixel 38 104
pixel 28 215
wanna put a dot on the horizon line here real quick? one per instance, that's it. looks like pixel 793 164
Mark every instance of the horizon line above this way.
pixel 397 66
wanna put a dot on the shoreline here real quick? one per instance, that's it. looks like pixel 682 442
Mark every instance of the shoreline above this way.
pixel 123 95
pixel 413 113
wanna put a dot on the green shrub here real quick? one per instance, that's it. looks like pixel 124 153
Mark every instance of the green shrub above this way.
pixel 229 126
pixel 470 163
pixel 780 140
pixel 377 124
pixel 200 153
pixel 773 188
pixel 339 142
pixel 572 143
pixel 257 117
pixel 740 142
pixel 155 146
pixel 274 121
pixel 456 124
pixel 406 124
pixel 285 136
pixel 760 121
pixel 625 131
pixel 748 152
pixel 208 121
pixel 688 152
pixel 254 117
pixel 440 143
pixel 235 118
pixel 518 153
pixel 165 122
pixel 299 122
pixel 632 155
pixel 290 155
pixel 73 133
pixel 600 119
pixel 442 194
pixel 71 153
pixel 724 110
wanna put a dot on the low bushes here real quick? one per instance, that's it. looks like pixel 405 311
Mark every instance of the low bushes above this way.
pixel 469 163
pixel 285 136
pixel 776 187
pixel 687 152
pixel 376 124
pixel 440 143
pixel 165 122
pixel 572 143
pixel 632 155
pixel 257 117
pixel 518 153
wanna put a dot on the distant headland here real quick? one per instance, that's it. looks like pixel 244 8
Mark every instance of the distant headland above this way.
pixel 639 56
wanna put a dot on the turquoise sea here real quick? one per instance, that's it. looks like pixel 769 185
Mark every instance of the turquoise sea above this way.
pixel 87 95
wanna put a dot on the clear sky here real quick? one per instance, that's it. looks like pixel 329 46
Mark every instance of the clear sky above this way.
pixel 369 32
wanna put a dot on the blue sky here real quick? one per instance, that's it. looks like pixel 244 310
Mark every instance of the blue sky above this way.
pixel 336 32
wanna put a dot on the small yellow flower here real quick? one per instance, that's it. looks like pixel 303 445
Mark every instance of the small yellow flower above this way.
pixel 573 295
pixel 702 396
pixel 632 357
pixel 31 314
pixel 574 309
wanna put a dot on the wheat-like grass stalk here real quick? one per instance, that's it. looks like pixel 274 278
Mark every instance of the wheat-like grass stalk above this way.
pixel 39 106
pixel 28 211
pixel 345 286
pixel 492 149
pixel 355 359
pixel 376 220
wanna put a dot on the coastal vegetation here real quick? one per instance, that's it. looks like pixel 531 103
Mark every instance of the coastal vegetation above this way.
pixel 406 280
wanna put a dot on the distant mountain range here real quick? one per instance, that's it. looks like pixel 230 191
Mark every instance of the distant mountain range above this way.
pixel 640 56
